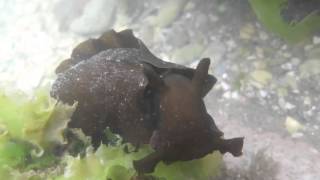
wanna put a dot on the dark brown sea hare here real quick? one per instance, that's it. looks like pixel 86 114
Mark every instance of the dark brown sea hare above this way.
pixel 119 84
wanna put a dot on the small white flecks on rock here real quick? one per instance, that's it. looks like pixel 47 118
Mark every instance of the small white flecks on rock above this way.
pixel 227 95
pixel 287 66
pixel 263 93
pixel 316 40
pixel 235 95
pixel 225 86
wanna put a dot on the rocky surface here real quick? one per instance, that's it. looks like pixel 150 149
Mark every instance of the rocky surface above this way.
pixel 268 90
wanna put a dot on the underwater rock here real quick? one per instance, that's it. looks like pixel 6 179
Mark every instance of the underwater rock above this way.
pixel 292 125
pixel 310 68
pixel 88 23
pixel 188 53
pixel 168 13
pixel 261 78
pixel 118 83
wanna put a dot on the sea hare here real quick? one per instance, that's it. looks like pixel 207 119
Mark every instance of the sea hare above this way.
pixel 118 83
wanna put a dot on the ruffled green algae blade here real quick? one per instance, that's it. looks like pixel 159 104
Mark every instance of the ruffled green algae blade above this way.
pixel 111 162
pixel 269 13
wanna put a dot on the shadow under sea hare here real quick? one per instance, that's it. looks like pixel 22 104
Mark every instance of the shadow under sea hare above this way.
pixel 118 83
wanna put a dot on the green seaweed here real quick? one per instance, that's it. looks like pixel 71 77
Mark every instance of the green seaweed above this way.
pixel 112 162
pixel 12 153
pixel 28 129
pixel 269 13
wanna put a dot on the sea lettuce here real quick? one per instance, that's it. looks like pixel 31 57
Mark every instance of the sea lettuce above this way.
pixel 29 126
pixel 112 162
pixel 37 119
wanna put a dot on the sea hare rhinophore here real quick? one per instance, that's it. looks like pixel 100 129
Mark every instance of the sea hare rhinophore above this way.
pixel 118 83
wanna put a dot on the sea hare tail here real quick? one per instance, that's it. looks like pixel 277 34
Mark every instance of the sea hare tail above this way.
pixel 233 146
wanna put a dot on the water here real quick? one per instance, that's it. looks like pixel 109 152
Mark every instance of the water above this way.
pixel 267 90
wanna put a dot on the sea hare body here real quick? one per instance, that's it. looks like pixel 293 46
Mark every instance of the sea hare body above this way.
pixel 119 84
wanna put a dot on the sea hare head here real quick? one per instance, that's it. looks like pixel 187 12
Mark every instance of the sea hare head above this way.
pixel 185 125
pixel 185 130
